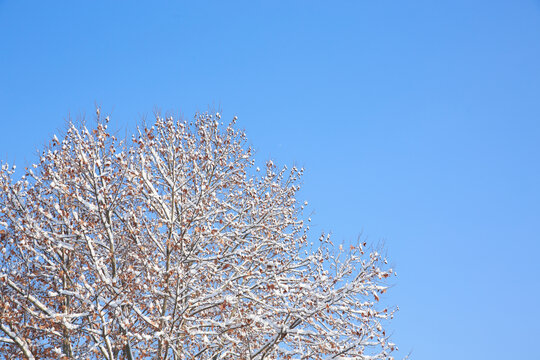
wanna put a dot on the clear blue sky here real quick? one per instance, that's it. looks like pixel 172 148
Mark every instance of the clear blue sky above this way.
pixel 418 123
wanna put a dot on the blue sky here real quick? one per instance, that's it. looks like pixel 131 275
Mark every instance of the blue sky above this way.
pixel 418 123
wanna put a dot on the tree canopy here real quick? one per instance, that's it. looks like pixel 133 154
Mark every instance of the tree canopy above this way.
pixel 173 245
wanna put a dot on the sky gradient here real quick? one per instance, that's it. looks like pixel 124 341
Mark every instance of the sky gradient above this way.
pixel 418 124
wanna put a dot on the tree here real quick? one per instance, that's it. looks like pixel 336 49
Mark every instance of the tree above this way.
pixel 173 246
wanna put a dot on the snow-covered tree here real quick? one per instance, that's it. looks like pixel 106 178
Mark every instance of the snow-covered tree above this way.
pixel 172 245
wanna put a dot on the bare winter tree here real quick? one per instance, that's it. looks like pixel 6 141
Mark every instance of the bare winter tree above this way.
pixel 174 246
